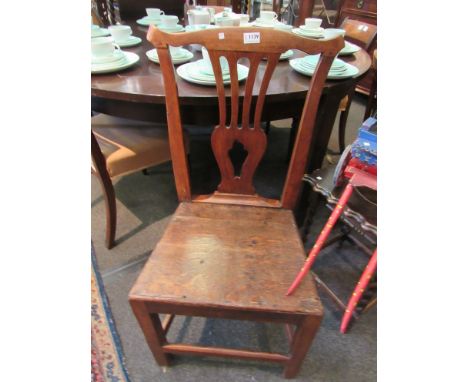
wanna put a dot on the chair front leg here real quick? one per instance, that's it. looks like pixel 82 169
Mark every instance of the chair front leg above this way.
pixel 302 339
pixel 152 330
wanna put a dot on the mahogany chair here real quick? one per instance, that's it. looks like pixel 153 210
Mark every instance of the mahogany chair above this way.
pixel 121 147
pixel 363 35
pixel 232 254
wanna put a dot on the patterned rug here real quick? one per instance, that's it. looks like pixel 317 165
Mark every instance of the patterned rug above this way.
pixel 107 361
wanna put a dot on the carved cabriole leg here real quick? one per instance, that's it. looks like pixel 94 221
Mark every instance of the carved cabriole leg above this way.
pixel 302 340
pixel 153 331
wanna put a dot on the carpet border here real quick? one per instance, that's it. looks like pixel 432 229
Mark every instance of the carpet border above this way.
pixel 108 313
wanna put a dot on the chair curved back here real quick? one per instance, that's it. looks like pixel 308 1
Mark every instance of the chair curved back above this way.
pixel 229 43
pixel 359 32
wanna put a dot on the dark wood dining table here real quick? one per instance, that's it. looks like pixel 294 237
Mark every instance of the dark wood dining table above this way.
pixel 138 93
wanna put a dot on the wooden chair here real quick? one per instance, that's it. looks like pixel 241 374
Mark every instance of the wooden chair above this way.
pixel 120 147
pixel 363 35
pixel 232 254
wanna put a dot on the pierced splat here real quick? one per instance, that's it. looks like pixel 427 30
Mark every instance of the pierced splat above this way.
pixel 236 185
pixel 253 139
pixel 237 154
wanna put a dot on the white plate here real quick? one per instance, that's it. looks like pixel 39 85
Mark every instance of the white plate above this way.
pixel 350 70
pixel 312 61
pixel 131 41
pixel 349 49
pixel 185 57
pixel 101 32
pixel 242 73
pixel 303 34
pixel 145 21
pixel 117 55
pixel 130 59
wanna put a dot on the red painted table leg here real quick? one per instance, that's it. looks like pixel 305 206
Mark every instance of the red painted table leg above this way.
pixel 322 237
pixel 358 291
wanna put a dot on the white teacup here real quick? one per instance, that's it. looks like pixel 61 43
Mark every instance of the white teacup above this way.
pixel 169 21
pixel 120 33
pixel 268 16
pixel 333 31
pixel 102 47
pixel 207 62
pixel 154 13
pixel 312 23
pixel 94 27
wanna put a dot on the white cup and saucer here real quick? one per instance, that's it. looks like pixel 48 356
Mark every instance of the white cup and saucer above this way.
pixel 122 35
pixel 312 26
pixel 153 17
pixel 267 18
pixel 154 13
pixel 104 51
pixel 169 23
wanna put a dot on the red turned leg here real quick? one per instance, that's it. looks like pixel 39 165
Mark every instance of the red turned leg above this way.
pixel 358 291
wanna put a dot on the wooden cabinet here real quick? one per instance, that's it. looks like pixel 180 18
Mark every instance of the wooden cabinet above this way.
pixel 363 10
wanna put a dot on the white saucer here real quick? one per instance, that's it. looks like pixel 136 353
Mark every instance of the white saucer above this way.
pixel 350 71
pixel 131 41
pixel 130 59
pixel 117 55
pixel 183 72
pixel 198 27
pixel 349 48
pixel 318 30
pixel 101 32
pixel 175 29
pixel 146 21
pixel 301 33
pixel 179 59
pixel 271 24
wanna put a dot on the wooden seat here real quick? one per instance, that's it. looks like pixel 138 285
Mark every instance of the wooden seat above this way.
pixel 232 254
pixel 228 256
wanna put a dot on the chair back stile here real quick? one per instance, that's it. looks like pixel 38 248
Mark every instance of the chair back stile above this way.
pixel 229 43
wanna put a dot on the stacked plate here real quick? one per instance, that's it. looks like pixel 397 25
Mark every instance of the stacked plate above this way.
pixel 307 32
pixel 130 41
pixel 182 56
pixel 146 21
pixel 338 70
pixel 349 49
pixel 199 73
pixel 96 31
pixel 119 60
